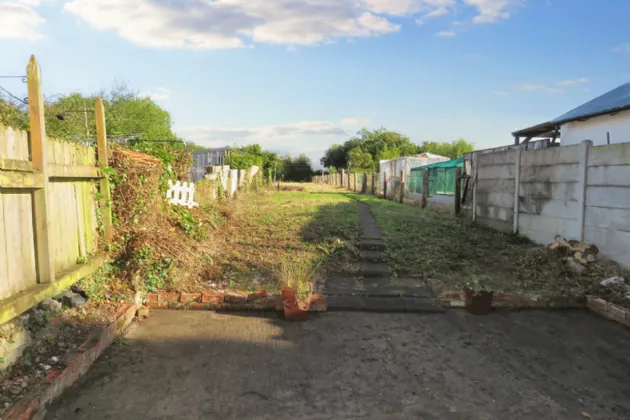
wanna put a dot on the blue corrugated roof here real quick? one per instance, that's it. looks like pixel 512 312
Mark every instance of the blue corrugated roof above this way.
pixel 615 100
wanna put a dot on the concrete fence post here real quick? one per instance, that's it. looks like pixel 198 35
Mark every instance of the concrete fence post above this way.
pixel 402 186
pixel 385 186
pixel 582 184
pixel 517 187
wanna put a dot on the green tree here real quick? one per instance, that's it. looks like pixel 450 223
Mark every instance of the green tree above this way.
pixel 13 113
pixel 359 160
pixel 453 150
pixel 297 169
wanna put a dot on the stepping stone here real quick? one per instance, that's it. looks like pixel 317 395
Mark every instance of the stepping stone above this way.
pixel 368 269
pixel 385 304
pixel 371 256
pixel 345 303
pixel 371 244
pixel 414 292
pixel 422 305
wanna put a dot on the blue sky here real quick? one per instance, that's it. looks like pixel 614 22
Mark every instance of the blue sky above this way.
pixel 297 76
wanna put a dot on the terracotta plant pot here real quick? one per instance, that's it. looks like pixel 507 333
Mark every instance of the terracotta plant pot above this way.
pixel 292 309
pixel 478 303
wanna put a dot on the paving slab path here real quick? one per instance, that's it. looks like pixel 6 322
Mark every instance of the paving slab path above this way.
pixel 374 288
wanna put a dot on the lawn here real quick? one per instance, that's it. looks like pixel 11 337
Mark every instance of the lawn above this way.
pixel 315 224
pixel 451 252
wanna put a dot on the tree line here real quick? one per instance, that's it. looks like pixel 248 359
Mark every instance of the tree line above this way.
pixel 367 148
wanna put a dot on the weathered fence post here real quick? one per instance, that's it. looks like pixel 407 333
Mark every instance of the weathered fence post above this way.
pixel 364 184
pixel 475 172
pixel 458 190
pixel 44 250
pixel 341 174
pixel 373 183
pixel 402 186
pixel 355 182
pixel 425 187
pixel 103 155
pixel 385 186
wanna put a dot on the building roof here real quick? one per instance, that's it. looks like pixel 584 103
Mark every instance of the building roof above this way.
pixel 616 100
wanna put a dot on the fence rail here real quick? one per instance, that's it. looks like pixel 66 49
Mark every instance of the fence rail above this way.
pixel 48 207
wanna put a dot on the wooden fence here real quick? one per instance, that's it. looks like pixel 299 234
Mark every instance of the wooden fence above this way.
pixel 48 207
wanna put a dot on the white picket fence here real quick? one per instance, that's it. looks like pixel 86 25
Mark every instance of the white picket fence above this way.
pixel 181 194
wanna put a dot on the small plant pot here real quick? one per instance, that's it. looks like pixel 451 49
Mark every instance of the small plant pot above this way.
pixel 478 303
pixel 292 309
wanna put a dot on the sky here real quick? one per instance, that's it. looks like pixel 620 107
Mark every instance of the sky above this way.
pixel 299 75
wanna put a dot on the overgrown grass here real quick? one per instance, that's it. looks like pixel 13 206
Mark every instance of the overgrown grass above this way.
pixel 273 227
pixel 452 252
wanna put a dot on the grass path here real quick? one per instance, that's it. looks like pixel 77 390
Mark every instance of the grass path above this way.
pixel 268 228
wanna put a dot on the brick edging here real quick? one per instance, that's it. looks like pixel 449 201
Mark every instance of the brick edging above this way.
pixel 36 401
pixel 608 310
pixel 226 301
pixel 450 299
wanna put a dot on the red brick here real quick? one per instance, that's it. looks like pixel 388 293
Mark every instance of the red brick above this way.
pixel 200 306
pixel 452 295
pixel 266 303
pixel 190 297
pixel 211 297
pixel 152 297
pixel 157 305
pixel 318 303
pixel 168 297
pixel 279 303
pixel 597 305
pixel 256 295
pixel 235 298
pixel 445 303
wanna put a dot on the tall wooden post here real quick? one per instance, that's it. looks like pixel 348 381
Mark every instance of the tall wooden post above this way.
pixel 425 187
pixel 458 190
pixel 103 162
pixel 44 241
pixel 364 184
pixel 341 174
pixel 355 182
pixel 402 186
pixel 385 186
pixel 373 183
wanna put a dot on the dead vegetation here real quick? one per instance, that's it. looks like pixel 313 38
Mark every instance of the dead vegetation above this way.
pixel 451 252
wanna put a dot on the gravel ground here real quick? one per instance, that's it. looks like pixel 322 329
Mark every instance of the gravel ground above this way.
pixel 508 365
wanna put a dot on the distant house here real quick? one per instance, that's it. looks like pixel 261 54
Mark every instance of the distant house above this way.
pixel 205 158
pixel 604 120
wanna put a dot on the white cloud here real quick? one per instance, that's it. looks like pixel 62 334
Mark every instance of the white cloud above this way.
pixel 540 88
pixel 282 135
pixel 440 11
pixel 623 48
pixel 419 22
pixel 158 94
pixel 355 121
pixel 489 11
pixel 575 82
pixel 458 23
pixel 500 93
pixel 446 34
pixel 203 24
pixel 19 20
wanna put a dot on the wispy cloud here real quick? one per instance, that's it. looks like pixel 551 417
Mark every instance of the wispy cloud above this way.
pixel 540 88
pixel 489 11
pixel 440 11
pixel 419 22
pixel 458 23
pixel 355 121
pixel 446 34
pixel 623 48
pixel 575 82
pixel 157 94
